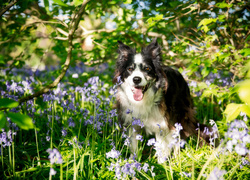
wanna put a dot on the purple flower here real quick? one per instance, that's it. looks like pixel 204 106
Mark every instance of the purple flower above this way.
pixel 193 84
pixel 113 154
pixel 151 142
pixel 128 111
pixel 122 171
pixel 185 174
pixel 145 167
pixel 47 138
pixel 71 122
pixel 139 137
pixel 113 113
pixel 55 156
pixel 176 141
pixel 217 174
pixel 178 127
pixel 127 142
pixel 52 172
pixel 137 122
pixel 64 132
pixel 238 137
pixel 241 149
pixel 119 80
pixel 244 162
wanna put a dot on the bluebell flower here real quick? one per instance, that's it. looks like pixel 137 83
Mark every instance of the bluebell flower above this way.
pixel 139 137
pixel 152 168
pixel 244 162
pixel 71 122
pixel 127 142
pixel 145 167
pixel 128 111
pixel 137 122
pixel 241 149
pixel 6 138
pixel 177 141
pixel 113 113
pixel 193 84
pixel 185 174
pixel 52 172
pixel 217 174
pixel 122 171
pixel 64 132
pixel 178 127
pixel 113 154
pixel 151 142
pixel 55 156
pixel 47 138
pixel 238 137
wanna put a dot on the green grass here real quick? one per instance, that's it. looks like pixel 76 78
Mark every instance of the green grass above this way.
pixel 92 131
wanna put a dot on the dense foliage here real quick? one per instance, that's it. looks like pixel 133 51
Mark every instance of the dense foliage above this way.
pixel 57 115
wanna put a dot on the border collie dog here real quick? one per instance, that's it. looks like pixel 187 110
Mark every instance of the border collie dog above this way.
pixel 156 94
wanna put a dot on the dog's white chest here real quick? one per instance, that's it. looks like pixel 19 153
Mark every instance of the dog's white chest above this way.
pixel 151 117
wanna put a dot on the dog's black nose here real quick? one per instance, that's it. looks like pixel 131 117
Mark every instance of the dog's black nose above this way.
pixel 136 80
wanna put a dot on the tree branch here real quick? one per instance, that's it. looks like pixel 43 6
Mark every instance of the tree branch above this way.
pixel 74 24
pixel 6 8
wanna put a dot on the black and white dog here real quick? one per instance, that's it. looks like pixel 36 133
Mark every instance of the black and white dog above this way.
pixel 156 94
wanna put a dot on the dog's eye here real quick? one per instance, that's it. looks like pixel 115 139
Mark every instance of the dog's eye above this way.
pixel 130 69
pixel 147 69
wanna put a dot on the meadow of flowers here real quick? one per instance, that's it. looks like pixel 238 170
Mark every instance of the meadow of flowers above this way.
pixel 76 134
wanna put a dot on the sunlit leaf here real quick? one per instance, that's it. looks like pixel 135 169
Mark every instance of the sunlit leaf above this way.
pixel 244 91
pixel 8 103
pixel 46 4
pixel 128 2
pixel 205 22
pixel 59 2
pixel 233 110
pixel 245 52
pixel 3 120
pixel 77 2
pixel 224 5
pixel 22 120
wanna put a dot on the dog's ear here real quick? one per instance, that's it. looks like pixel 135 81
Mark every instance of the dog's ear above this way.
pixel 124 51
pixel 154 50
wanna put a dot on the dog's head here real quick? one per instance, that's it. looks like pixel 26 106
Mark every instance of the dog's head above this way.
pixel 139 71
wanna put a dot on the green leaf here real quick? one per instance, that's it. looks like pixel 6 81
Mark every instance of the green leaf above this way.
pixel 22 120
pixel 206 21
pixel 46 4
pixel 205 71
pixel 8 103
pixel 77 2
pixel 245 52
pixel 59 2
pixel 233 110
pixel 128 2
pixel 244 91
pixel 224 5
pixel 3 120
pixel 222 18
pixel 202 85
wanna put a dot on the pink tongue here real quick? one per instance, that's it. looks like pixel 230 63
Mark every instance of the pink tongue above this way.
pixel 138 95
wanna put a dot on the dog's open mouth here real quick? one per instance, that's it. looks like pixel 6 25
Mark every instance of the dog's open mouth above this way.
pixel 138 92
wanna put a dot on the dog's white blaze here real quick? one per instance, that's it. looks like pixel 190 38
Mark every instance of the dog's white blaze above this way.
pixel 138 59
pixel 137 72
